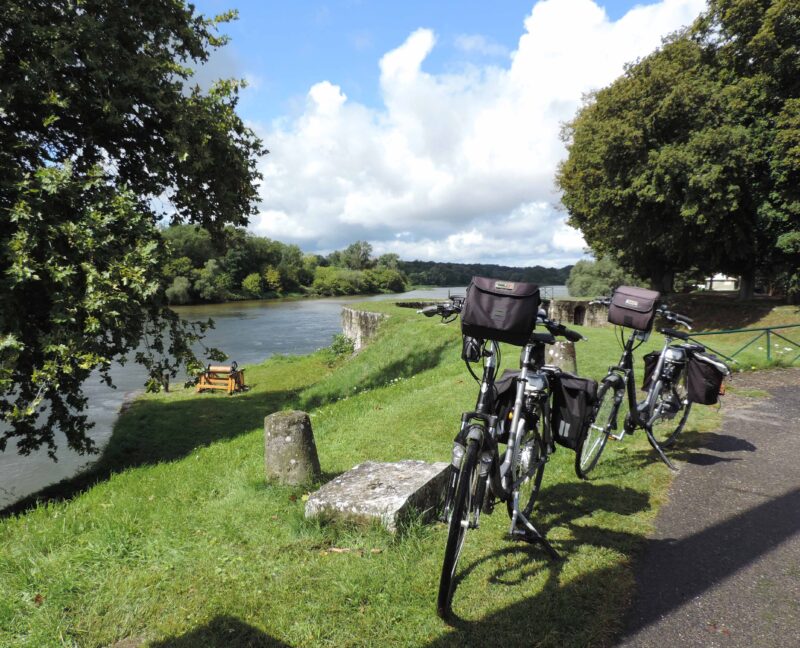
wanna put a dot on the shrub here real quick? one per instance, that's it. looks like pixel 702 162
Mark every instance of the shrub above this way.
pixel 179 291
pixel 252 285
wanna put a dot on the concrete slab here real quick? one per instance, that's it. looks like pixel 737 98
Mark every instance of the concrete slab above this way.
pixel 386 492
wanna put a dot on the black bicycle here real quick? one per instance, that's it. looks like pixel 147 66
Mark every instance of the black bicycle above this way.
pixel 663 412
pixel 513 410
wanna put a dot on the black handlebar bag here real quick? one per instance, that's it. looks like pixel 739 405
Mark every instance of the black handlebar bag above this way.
pixel 634 307
pixel 500 310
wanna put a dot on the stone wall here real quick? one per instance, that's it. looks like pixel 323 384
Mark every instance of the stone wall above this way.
pixel 360 326
pixel 568 311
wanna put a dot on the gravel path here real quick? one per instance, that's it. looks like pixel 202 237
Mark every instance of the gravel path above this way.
pixel 723 566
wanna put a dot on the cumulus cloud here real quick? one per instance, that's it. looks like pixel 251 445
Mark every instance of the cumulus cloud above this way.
pixel 479 44
pixel 453 166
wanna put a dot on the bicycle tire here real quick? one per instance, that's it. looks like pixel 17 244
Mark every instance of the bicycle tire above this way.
pixel 588 452
pixel 459 524
pixel 531 450
pixel 663 428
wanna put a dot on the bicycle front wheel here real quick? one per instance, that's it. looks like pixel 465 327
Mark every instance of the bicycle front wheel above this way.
pixel 671 411
pixel 594 441
pixel 459 524
pixel 528 470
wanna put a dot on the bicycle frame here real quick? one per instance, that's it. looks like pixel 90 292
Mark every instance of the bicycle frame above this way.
pixel 639 412
pixel 481 426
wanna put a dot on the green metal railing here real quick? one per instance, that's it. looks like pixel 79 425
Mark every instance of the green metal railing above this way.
pixel 767 331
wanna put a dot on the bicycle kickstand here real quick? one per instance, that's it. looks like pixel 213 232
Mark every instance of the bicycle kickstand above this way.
pixel 531 535
pixel 658 449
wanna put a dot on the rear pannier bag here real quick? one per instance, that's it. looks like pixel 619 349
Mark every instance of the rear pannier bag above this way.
pixel 650 362
pixel 633 307
pixel 573 400
pixel 704 377
pixel 500 310
pixel 505 395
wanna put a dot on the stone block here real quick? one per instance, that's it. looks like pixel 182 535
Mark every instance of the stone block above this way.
pixel 385 492
pixel 360 326
pixel 290 454
pixel 562 355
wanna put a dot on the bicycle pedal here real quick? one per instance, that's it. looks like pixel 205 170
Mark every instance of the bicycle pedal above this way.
pixel 488 505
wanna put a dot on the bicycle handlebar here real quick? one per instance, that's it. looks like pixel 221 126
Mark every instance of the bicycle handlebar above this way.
pixel 447 310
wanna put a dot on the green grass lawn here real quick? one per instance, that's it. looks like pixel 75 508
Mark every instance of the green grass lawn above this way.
pixel 175 538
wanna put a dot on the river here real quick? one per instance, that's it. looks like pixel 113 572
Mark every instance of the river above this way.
pixel 248 332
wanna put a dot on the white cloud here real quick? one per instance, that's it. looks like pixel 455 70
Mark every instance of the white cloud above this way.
pixel 479 44
pixel 454 166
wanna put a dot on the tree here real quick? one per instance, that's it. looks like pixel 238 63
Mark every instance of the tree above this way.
pixel 599 277
pixel 674 164
pixel 212 283
pixel 99 124
pixel 389 260
pixel 252 285
pixel 272 278
pixel 358 256
pixel 180 291
pixel 191 242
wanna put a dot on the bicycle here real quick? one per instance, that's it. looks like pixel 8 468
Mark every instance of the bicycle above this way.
pixel 479 473
pixel 667 399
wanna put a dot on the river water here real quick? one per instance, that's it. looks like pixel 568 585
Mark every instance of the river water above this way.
pixel 248 332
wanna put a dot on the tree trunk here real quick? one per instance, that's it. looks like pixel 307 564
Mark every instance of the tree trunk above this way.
pixel 747 285
pixel 666 283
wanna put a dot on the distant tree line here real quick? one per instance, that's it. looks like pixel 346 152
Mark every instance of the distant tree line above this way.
pixel 241 265
pixel 432 273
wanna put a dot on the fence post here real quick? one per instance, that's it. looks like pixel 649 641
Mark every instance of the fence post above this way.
pixel 769 353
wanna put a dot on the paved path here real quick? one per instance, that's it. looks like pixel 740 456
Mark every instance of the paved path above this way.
pixel 723 566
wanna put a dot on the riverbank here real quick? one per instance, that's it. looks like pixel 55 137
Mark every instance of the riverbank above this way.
pixel 175 536
pixel 247 331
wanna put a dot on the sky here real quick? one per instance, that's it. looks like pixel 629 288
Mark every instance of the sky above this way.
pixel 429 129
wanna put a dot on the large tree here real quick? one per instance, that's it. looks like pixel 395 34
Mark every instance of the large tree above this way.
pixel 687 159
pixel 102 136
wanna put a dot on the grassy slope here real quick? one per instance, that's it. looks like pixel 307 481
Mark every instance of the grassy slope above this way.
pixel 181 541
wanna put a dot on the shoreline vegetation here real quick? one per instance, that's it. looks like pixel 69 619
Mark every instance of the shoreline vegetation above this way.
pixel 241 266
pixel 174 535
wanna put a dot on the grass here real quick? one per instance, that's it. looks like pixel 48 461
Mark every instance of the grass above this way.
pixel 175 539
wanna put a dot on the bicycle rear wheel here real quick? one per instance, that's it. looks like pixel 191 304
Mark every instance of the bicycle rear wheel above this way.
pixel 459 524
pixel 529 467
pixel 672 409
pixel 604 420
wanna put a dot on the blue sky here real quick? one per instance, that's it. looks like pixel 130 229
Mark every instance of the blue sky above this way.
pixel 373 111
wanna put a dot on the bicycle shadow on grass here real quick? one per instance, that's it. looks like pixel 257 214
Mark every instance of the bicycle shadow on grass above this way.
pixel 556 606
pixel 222 632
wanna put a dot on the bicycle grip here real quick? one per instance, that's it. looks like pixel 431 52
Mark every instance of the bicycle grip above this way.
pixel 572 336
pixel 429 311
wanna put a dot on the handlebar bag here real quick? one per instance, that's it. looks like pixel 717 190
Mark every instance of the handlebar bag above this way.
pixel 573 399
pixel 634 307
pixel 705 373
pixel 500 310
pixel 650 362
